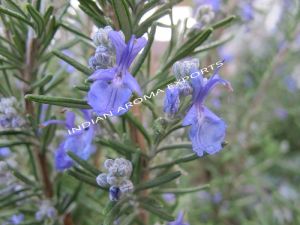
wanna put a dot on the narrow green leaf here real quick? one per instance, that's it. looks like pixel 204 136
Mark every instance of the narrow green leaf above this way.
pixel 32 162
pixel 74 30
pixel 129 219
pixel 12 46
pixel 13 143
pixel 143 28
pixel 190 45
pixel 136 162
pixel 41 82
pixel 73 62
pixel 19 43
pixel 11 58
pixel 73 197
pixel 142 57
pixel 148 6
pixel 15 200
pixel 59 101
pixel 7 67
pixel 161 213
pixel 84 178
pixel 38 19
pixel 50 30
pixel 178 191
pixel 12 194
pixel 94 171
pixel 48 13
pixel 14 132
pixel 119 147
pixel 47 136
pixel 92 10
pixel 175 146
pixel 84 88
pixel 224 22
pixel 158 181
pixel 123 15
pixel 56 81
pixel 183 159
pixel 109 205
pixel 15 7
pixel 15 15
pixel 212 45
pixel 22 177
pixel 113 213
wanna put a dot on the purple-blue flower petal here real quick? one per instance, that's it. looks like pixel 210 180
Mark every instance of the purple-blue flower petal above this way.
pixel 103 74
pixel 5 152
pixel 49 122
pixel 172 101
pixel 107 97
pixel 208 133
pixel 62 160
pixel 131 83
pixel 179 220
pixel 119 44
pixel 190 117
pixel 138 45
pixel 70 119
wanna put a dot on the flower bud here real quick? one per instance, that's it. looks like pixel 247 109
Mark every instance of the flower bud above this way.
pixel 112 180
pixel 9 116
pixel 124 167
pixel 205 14
pixel 103 57
pixel 114 193
pixel 126 186
pixel 108 163
pixel 159 126
pixel 181 69
pixel 101 36
pixel 101 180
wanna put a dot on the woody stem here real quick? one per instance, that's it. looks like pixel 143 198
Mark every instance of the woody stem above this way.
pixel 139 140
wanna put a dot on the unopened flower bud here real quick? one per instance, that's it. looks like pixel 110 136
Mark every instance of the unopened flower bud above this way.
pixel 102 180
pixel 114 193
pixel 101 36
pixel 124 167
pixel 126 186
pixel 108 163
pixel 112 180
pixel 205 14
pixel 159 126
pixel 181 69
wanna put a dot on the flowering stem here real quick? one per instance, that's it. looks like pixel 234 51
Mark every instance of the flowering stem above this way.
pixel 29 69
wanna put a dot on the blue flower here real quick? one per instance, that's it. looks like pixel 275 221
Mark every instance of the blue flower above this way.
pixel 172 101
pixel 15 219
pixel 179 220
pixel 113 87
pixel 247 11
pixel 80 142
pixel 5 152
pixel 216 4
pixel 46 210
pixel 114 193
pixel 207 130
pixel 9 114
pixel 169 198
